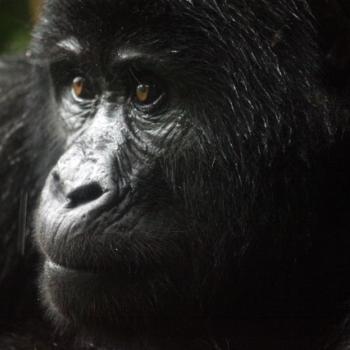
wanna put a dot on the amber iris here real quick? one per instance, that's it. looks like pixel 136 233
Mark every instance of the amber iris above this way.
pixel 143 93
pixel 78 86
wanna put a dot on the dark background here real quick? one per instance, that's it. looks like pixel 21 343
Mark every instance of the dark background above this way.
pixel 16 21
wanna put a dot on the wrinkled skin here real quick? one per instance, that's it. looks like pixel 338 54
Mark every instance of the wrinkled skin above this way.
pixel 185 172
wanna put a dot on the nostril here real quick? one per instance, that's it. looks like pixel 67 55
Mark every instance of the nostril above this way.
pixel 56 176
pixel 84 194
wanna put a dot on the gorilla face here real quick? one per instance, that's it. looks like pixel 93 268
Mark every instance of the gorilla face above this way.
pixel 185 138
pixel 108 185
pixel 112 216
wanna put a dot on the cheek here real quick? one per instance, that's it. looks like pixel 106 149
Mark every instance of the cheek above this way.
pixel 156 133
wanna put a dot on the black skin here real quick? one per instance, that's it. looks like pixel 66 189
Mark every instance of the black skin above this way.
pixel 177 172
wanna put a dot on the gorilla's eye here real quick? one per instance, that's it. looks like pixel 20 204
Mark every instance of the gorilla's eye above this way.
pixel 148 93
pixel 143 93
pixel 148 96
pixel 81 89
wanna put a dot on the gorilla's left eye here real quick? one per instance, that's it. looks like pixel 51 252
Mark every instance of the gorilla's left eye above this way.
pixel 147 96
pixel 143 93
pixel 148 93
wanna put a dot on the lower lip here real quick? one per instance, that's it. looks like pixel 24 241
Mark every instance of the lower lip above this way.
pixel 63 269
pixel 53 266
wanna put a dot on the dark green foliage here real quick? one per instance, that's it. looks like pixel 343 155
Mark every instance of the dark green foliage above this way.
pixel 14 25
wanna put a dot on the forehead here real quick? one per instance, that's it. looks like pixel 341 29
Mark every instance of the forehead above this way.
pixel 106 17
pixel 98 24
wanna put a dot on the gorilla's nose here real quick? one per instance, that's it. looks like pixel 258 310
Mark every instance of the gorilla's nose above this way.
pixel 77 195
pixel 84 194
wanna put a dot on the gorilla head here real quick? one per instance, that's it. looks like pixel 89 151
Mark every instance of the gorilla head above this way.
pixel 189 136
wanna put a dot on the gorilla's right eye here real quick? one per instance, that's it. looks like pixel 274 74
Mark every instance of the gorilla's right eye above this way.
pixel 71 81
pixel 81 89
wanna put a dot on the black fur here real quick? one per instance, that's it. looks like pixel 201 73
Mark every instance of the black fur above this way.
pixel 236 232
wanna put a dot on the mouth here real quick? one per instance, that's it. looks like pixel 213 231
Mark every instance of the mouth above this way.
pixel 64 229
pixel 93 250
pixel 108 240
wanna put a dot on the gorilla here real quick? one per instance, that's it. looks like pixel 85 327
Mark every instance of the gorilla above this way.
pixel 174 175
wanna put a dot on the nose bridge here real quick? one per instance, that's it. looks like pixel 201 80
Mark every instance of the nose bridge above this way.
pixel 106 130
pixel 90 155
pixel 84 173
